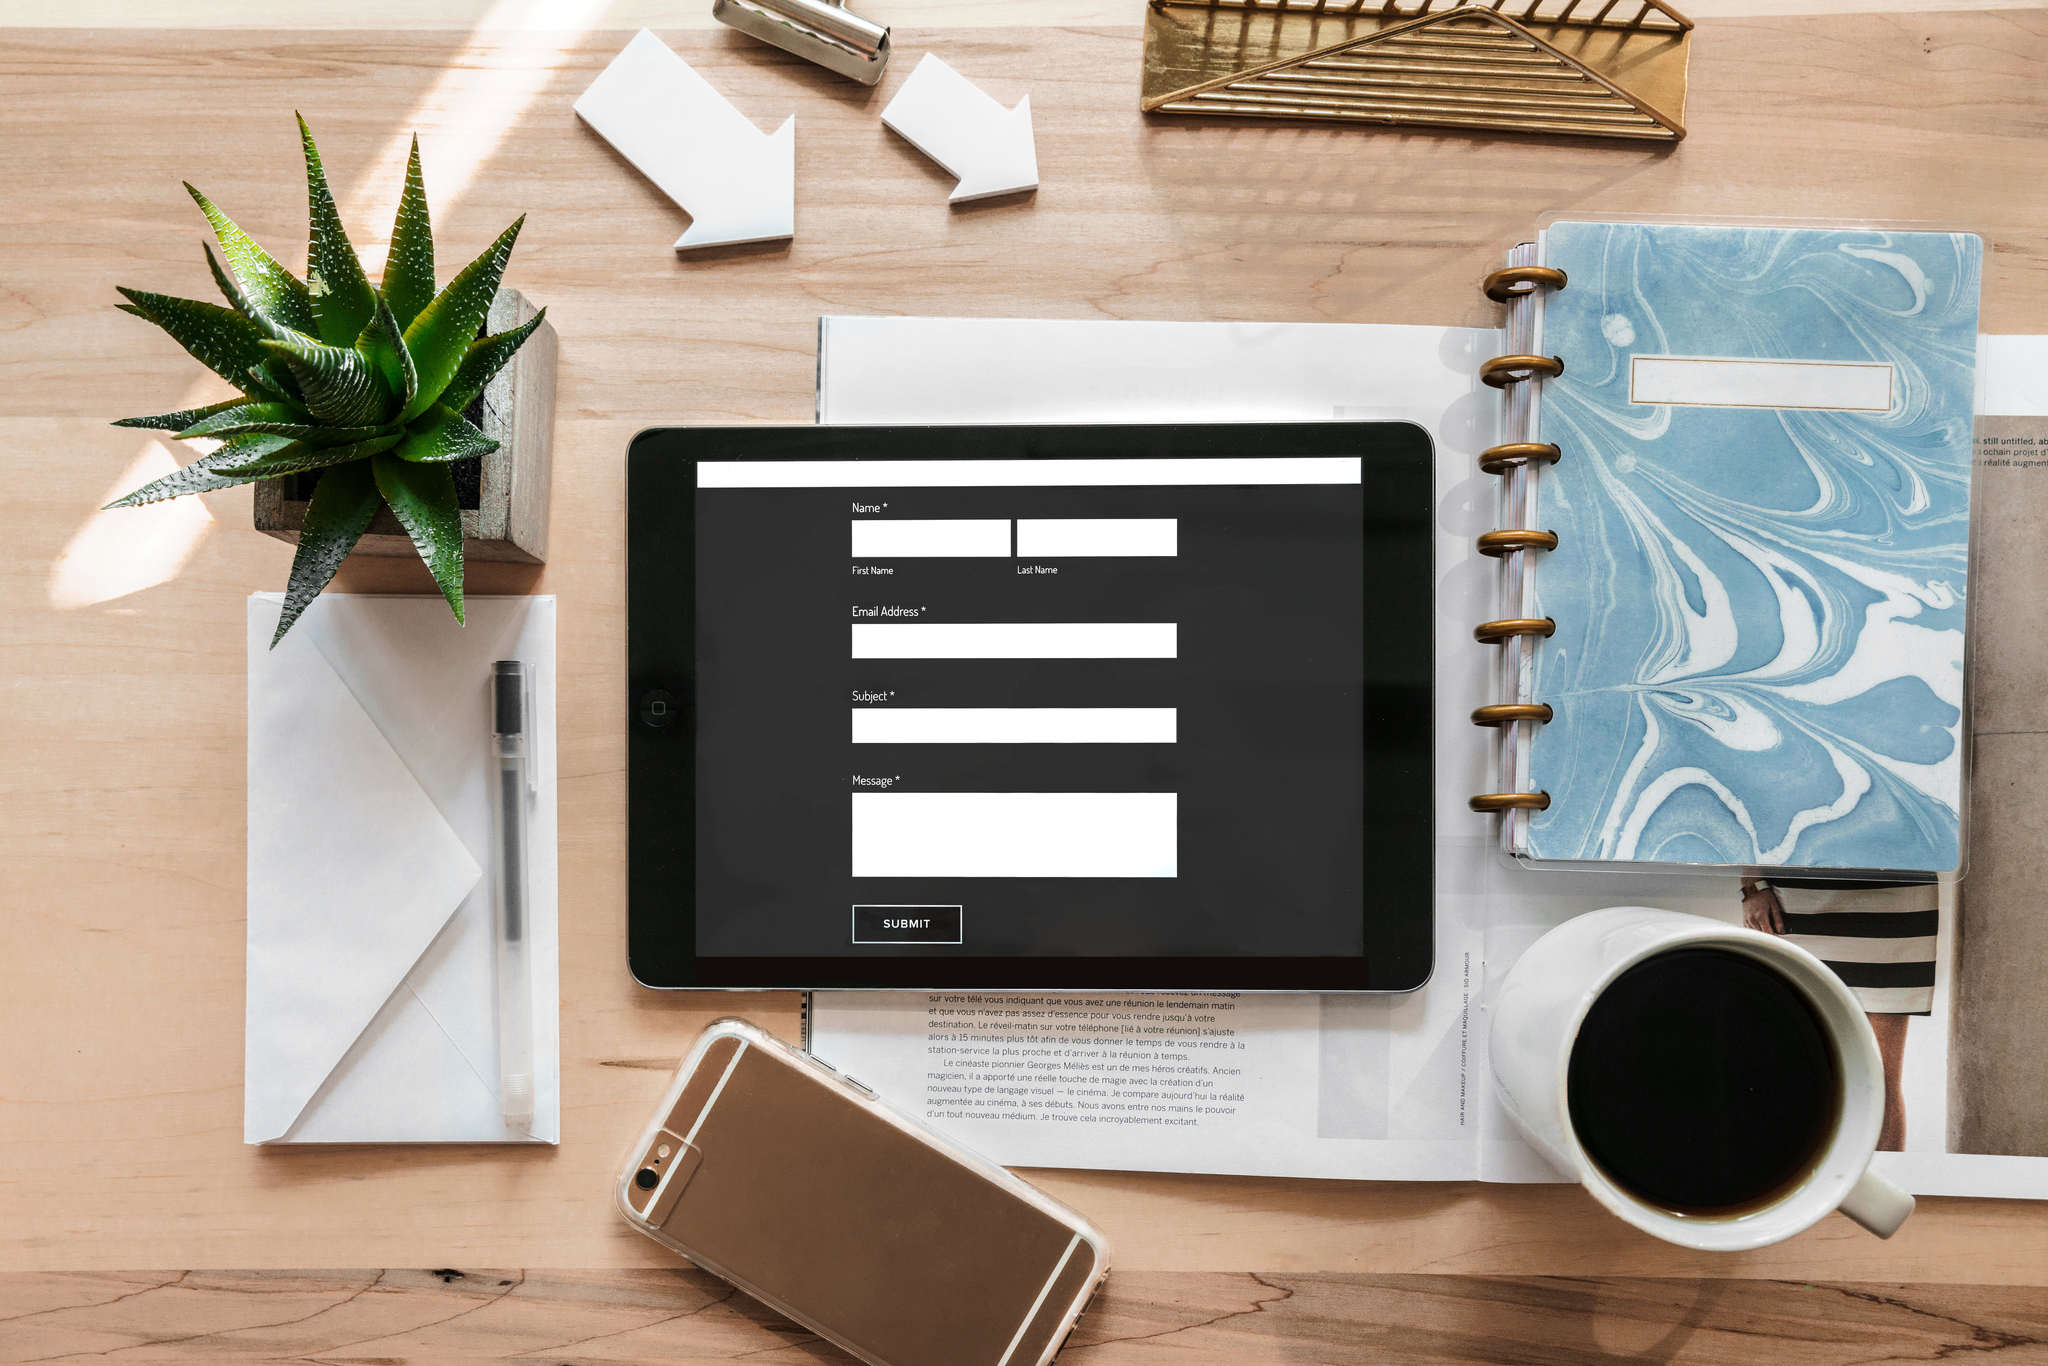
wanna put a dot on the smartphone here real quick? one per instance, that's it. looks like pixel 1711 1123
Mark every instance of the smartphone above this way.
pixel 780 1174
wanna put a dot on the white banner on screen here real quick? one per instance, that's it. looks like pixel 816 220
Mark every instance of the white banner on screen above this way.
pixel 1107 473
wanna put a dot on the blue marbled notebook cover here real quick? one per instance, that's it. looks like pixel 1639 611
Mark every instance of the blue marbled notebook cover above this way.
pixel 1759 647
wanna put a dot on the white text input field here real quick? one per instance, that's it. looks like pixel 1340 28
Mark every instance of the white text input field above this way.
pixel 1015 834
pixel 1014 725
pixel 898 538
pixel 1045 537
pixel 1016 640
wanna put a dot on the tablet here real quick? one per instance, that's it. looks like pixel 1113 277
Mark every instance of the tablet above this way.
pixel 1046 708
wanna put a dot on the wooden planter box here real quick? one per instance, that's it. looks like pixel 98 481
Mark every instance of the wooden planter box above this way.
pixel 510 521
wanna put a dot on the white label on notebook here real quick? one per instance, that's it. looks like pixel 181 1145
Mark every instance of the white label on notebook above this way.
pixel 1711 382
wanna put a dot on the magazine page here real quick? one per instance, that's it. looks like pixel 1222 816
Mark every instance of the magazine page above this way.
pixel 1398 1087
pixel 1256 1084
pixel 1518 905
pixel 1948 972
pixel 1970 1081
pixel 1348 1086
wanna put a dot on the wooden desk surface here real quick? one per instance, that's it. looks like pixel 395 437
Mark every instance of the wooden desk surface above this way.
pixel 122 790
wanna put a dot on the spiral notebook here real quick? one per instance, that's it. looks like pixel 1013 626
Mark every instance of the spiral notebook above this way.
pixel 1734 546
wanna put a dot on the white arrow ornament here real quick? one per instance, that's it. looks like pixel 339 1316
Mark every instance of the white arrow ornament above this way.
pixel 949 118
pixel 738 184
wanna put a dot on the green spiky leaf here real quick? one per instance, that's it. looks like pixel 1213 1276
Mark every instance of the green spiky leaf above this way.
pixel 383 343
pixel 317 434
pixel 338 384
pixel 442 435
pixel 275 419
pixel 439 337
pixel 224 421
pixel 485 357
pixel 232 291
pixel 340 510
pixel 423 497
pixel 299 456
pixel 271 374
pixel 342 298
pixel 272 289
pixel 218 338
pixel 205 474
pixel 183 418
pixel 409 266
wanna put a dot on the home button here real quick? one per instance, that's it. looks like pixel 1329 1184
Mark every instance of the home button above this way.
pixel 657 709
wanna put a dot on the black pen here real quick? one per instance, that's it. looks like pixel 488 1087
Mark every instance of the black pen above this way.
pixel 515 979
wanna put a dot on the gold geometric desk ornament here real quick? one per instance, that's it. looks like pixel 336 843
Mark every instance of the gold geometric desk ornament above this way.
pixel 1591 68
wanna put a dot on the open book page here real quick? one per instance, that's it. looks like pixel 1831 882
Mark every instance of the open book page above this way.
pixel 1397 1088
pixel 1281 1085
pixel 1948 972
pixel 1517 906
pixel 1140 1082
pixel 1972 1079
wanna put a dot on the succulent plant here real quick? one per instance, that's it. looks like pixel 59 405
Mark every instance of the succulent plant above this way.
pixel 364 386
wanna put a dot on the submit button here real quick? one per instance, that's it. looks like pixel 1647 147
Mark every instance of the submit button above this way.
pixel 906 924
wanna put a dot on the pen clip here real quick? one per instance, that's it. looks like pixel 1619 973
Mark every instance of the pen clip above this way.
pixel 531 688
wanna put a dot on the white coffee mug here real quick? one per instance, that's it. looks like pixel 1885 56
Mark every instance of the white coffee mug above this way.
pixel 1544 999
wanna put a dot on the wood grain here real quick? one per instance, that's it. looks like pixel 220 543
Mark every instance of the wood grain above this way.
pixel 123 724
pixel 1241 1318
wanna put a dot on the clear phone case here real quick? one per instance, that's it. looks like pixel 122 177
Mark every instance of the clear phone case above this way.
pixel 774 1171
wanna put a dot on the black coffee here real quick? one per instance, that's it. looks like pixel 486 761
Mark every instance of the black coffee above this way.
pixel 1703 1082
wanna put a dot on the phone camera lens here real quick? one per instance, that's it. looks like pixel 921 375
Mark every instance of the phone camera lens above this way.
pixel 647 1179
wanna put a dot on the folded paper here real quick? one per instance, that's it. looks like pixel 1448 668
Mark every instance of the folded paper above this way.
pixel 370 1007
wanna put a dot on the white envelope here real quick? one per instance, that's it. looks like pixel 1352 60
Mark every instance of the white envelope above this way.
pixel 371 960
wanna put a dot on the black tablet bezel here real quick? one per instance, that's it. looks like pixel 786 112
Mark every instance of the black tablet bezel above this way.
pixel 1398 845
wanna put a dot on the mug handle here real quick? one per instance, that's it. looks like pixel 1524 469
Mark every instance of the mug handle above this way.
pixel 1877 1204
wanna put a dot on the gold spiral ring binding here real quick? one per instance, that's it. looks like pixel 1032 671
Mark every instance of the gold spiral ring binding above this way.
pixel 1505 286
pixel 1494 632
pixel 1502 371
pixel 1499 543
pixel 1502 458
pixel 1510 801
pixel 1501 713
pixel 1512 282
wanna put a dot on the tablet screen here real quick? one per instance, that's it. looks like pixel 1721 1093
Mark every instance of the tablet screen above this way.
pixel 1035 707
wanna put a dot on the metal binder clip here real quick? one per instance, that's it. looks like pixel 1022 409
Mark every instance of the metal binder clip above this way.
pixel 822 31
